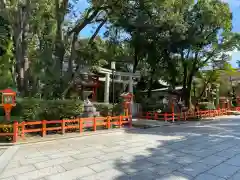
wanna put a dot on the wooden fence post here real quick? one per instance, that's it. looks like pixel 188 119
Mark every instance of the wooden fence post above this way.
pixel 173 117
pixel 165 117
pixel 130 121
pixel 15 131
pixel 120 121
pixel 80 125
pixel 23 129
pixel 108 122
pixel 179 116
pixel 44 126
pixel 155 116
pixel 63 126
pixel 94 124
pixel 147 116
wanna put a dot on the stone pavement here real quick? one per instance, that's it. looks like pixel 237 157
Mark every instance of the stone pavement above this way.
pixel 2 150
pixel 193 151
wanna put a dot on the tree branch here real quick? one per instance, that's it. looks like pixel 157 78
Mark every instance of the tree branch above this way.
pixel 97 31
pixel 205 84
pixel 210 56
pixel 87 19
pixel 2 4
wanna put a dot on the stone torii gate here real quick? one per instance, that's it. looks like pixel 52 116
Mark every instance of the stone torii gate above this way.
pixel 120 77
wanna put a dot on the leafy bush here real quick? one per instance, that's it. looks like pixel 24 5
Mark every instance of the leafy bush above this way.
pixel 206 106
pixel 4 129
pixel 32 109
pixel 61 109
pixel 152 104
pixel 104 109
pixel 118 109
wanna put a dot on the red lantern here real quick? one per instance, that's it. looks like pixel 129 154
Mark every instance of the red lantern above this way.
pixel 8 101
pixel 127 99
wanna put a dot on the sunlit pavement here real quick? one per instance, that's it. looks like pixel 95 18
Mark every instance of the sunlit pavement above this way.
pixel 200 151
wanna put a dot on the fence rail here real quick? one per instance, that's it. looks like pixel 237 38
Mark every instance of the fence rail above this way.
pixel 20 129
pixel 185 115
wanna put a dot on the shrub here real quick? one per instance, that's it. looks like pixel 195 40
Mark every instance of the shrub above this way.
pixel 106 109
pixel 5 130
pixel 31 109
pixel 103 108
pixel 206 106
pixel 152 104
pixel 61 109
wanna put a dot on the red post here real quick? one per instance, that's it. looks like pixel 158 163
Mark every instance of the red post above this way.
pixel 108 122
pixel 120 121
pixel 172 107
pixel 23 129
pixel 7 113
pixel 173 116
pixel 147 116
pixel 15 131
pixel 130 121
pixel 63 126
pixel 44 124
pixel 80 125
pixel 165 117
pixel 94 124
pixel 155 116
pixel 185 117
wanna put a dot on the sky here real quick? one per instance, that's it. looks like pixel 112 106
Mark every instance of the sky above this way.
pixel 234 5
pixel 235 8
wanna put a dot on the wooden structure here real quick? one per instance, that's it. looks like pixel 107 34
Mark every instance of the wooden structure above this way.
pixel 185 115
pixel 87 82
pixel 8 101
pixel 62 126
pixel 127 99
pixel 224 102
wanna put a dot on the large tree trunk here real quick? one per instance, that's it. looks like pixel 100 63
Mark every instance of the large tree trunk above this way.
pixel 72 55
pixel 187 81
pixel 150 84
pixel 21 28
pixel 60 9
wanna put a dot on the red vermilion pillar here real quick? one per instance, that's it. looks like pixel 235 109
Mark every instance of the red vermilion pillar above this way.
pixel 172 107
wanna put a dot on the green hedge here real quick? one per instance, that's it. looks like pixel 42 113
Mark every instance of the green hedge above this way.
pixel 206 106
pixel 31 109
pixel 106 109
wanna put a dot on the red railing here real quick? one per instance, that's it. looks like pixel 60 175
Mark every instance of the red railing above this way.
pixel 20 129
pixel 185 115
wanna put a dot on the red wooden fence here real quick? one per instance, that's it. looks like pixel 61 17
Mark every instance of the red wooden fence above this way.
pixel 20 129
pixel 77 124
pixel 185 115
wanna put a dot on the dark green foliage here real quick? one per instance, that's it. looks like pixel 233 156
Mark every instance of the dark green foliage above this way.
pixel 104 109
pixel 4 35
pixel 152 104
pixel 206 106
pixel 31 109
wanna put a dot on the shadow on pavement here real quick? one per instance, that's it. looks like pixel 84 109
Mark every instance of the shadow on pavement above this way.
pixel 179 152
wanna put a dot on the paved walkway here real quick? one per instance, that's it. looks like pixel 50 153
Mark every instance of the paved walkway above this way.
pixel 204 151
